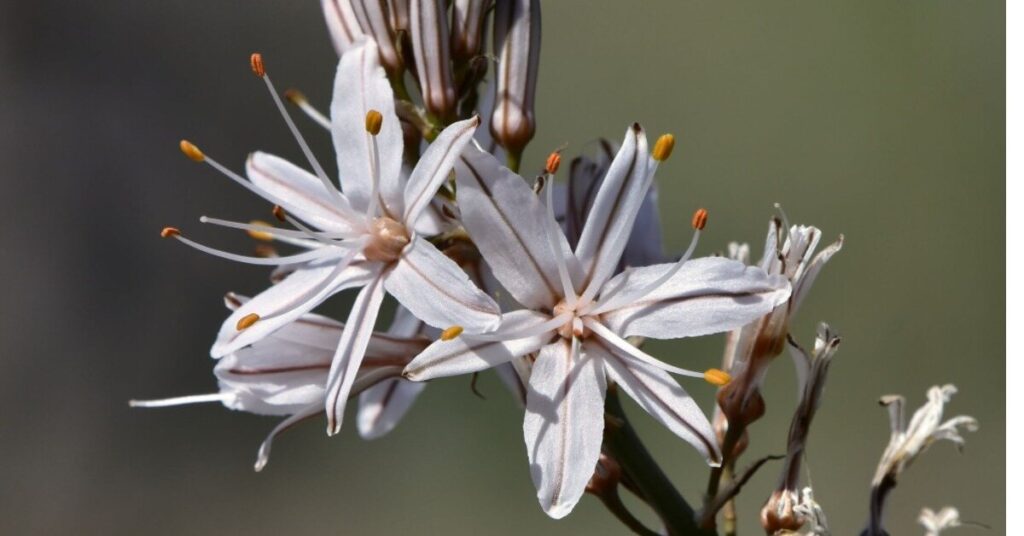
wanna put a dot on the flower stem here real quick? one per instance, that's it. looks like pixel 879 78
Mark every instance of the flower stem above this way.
pixel 629 451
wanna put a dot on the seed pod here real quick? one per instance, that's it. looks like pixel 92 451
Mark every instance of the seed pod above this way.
pixel 517 46
pixel 429 31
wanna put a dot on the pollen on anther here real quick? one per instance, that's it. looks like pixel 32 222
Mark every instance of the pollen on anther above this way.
pixel 374 120
pixel 169 232
pixel 294 96
pixel 247 321
pixel 260 235
pixel 256 63
pixel 663 147
pixel 191 151
pixel 717 377
pixel 279 213
pixel 451 333
pixel 700 219
pixel 554 160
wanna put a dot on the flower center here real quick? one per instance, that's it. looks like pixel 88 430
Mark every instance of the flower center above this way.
pixel 387 240
pixel 574 326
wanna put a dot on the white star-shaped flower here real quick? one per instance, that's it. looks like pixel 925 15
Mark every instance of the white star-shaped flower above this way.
pixel 362 236
pixel 576 316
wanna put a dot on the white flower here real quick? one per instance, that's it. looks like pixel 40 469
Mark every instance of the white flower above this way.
pixel 285 373
pixel 576 316
pixel 364 236
pixel 907 441
pixel 934 523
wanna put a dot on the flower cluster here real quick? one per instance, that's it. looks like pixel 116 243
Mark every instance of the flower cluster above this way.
pixel 554 286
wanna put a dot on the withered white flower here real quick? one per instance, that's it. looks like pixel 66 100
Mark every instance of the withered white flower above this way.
pixel 576 316
pixel 364 236
pixel 908 440
pixel 936 522
pixel 285 373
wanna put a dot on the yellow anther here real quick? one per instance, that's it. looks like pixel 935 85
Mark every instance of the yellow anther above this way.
pixel 663 147
pixel 554 160
pixel 247 321
pixel 260 235
pixel 256 63
pixel 191 151
pixel 700 219
pixel 374 120
pixel 717 377
pixel 294 96
pixel 451 333
pixel 168 232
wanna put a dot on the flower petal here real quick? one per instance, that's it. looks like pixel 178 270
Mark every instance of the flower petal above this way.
pixel 660 396
pixel 295 295
pixel 507 223
pixel 383 405
pixel 361 86
pixel 463 355
pixel 274 377
pixel 351 350
pixel 564 424
pixel 298 192
pixel 434 167
pixel 438 292
pixel 705 296
pixel 610 219
pixel 263 455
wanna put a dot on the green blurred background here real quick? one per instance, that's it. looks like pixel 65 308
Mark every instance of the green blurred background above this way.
pixel 880 120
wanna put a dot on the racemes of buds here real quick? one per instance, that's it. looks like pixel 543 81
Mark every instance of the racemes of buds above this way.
pixel 908 440
pixel 780 512
pixel 428 21
pixel 517 47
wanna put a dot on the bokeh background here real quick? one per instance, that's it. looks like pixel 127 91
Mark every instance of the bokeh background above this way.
pixel 880 120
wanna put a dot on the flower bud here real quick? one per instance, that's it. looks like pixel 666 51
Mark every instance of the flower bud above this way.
pixel 428 20
pixel 517 46
pixel 342 23
pixel 399 14
pixel 467 27
pixel 375 20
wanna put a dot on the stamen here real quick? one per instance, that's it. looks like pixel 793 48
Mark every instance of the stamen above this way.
pixel 451 333
pixel 275 261
pixel 551 230
pixel 298 238
pixel 247 321
pixel 191 150
pixel 554 160
pixel 295 133
pixel 169 232
pixel 717 377
pixel 663 147
pixel 279 213
pixel 256 62
pixel 180 400
pixel 374 120
pixel 375 203
pixel 296 97
pixel 618 299
pixel 635 352
pixel 260 235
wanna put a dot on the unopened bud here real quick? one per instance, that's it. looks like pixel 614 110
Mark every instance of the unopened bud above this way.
pixel 517 45
pixel 375 20
pixel 169 232
pixel 700 219
pixel 247 321
pixel 374 120
pixel 191 151
pixel 663 147
pixel 429 31
pixel 717 377
pixel 341 23
pixel 467 27
pixel 554 160
pixel 451 333
pixel 256 63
